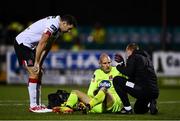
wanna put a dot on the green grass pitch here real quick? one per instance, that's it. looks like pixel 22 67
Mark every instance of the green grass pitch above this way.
pixel 14 105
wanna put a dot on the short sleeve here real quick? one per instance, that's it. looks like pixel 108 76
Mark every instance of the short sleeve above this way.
pixel 52 26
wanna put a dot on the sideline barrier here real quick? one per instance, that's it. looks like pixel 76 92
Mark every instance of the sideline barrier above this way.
pixel 67 67
pixel 62 67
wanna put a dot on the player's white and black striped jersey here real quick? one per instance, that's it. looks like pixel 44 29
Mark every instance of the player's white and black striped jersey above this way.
pixel 31 36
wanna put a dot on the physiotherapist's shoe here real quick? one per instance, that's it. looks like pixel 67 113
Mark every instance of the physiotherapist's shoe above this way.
pixel 153 109
pixel 124 111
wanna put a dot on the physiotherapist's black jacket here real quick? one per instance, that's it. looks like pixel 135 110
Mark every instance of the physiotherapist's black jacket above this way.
pixel 140 70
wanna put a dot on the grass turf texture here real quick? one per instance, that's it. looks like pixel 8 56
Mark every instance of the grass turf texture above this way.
pixel 14 105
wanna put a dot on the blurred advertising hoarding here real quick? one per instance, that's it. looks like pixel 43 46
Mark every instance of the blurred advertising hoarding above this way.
pixel 66 67
pixel 167 63
pixel 63 67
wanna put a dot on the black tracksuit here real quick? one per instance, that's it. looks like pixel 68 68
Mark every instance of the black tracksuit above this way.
pixel 140 72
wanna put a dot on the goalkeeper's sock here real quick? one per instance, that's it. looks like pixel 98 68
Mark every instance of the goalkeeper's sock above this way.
pixel 99 98
pixel 33 92
pixel 72 99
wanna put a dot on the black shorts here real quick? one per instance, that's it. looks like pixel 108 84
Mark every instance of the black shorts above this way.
pixel 24 54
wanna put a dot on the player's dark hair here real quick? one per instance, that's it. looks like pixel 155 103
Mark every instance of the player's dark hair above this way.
pixel 132 46
pixel 69 19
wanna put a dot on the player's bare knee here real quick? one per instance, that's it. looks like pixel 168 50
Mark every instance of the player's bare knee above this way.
pixel 104 89
pixel 33 70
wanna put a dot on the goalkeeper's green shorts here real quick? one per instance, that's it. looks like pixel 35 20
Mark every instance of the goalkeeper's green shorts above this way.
pixel 116 107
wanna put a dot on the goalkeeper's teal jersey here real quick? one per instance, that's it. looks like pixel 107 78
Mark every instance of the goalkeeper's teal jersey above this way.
pixel 103 79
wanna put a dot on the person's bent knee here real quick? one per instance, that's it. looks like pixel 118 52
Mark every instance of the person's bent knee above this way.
pixel 119 81
pixel 115 80
pixel 104 89
pixel 34 71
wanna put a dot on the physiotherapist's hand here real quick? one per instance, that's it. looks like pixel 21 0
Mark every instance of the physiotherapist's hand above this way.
pixel 119 59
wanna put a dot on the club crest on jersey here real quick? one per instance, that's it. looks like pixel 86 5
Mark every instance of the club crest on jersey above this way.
pixel 110 77
pixel 93 78
pixel 53 28
pixel 104 83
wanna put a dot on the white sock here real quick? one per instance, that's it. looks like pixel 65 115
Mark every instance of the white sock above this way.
pixel 128 107
pixel 32 89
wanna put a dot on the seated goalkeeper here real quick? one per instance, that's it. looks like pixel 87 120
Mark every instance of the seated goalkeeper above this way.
pixel 101 96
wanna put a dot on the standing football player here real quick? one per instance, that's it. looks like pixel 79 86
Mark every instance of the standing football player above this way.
pixel 31 47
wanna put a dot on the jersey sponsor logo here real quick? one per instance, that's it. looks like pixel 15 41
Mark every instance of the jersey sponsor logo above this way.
pixel 53 28
pixel 105 83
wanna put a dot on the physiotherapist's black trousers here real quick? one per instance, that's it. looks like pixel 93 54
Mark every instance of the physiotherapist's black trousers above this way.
pixel 143 97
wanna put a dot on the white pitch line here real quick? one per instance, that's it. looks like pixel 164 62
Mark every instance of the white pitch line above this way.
pixel 168 102
pixel 5 104
pixel 13 101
